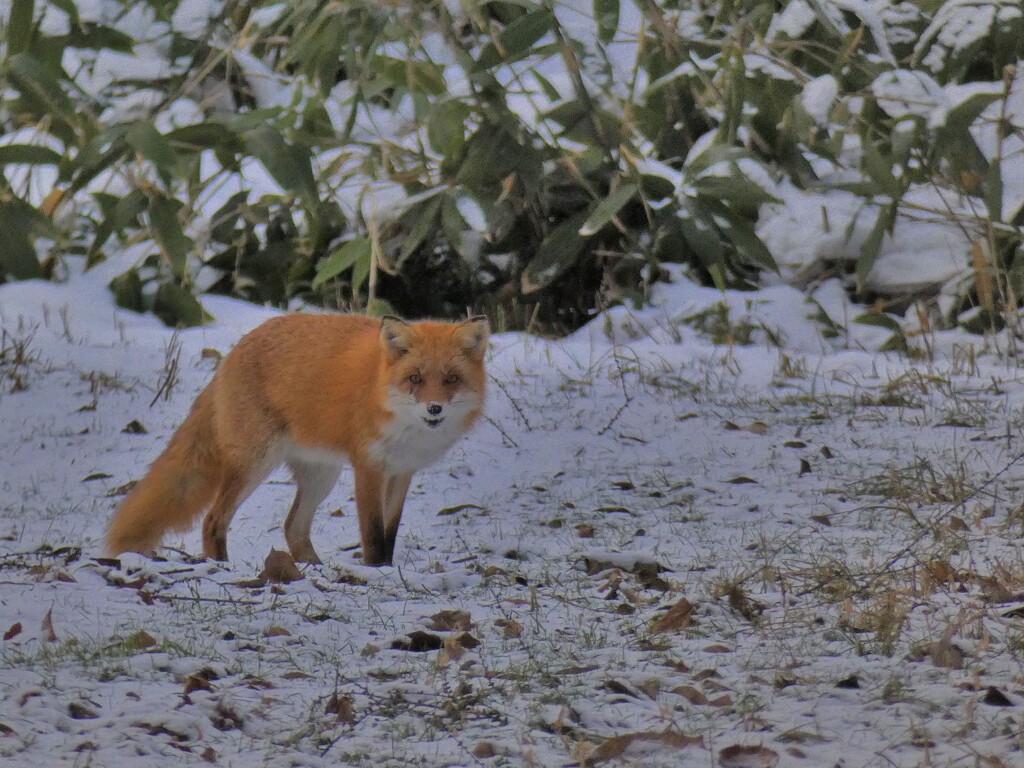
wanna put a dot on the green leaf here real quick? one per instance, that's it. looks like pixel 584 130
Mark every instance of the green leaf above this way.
pixel 606 14
pixel 426 223
pixel 118 214
pixel 29 154
pixel 127 290
pixel 446 127
pixel 147 141
pixel 361 271
pixel 289 164
pixel 879 168
pixel 208 135
pixel 869 250
pixel 417 76
pixel 550 92
pixel 607 208
pixel 701 235
pixel 714 154
pixel 98 37
pixel 166 227
pixel 20 26
pixel 342 258
pixel 177 307
pixel 993 186
pixel 558 253
pixel 735 190
pixel 748 245
pixel 21 224
pixel 40 88
pixel 515 40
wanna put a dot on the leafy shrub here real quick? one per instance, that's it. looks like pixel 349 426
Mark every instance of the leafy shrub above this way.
pixel 530 160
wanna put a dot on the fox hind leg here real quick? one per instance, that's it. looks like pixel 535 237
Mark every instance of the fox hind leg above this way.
pixel 313 481
pixel 235 487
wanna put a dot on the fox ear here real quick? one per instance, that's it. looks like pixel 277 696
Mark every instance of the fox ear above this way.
pixel 474 334
pixel 394 333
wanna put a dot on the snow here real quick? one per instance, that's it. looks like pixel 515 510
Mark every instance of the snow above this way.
pixel 809 230
pixel 630 465
pixel 818 96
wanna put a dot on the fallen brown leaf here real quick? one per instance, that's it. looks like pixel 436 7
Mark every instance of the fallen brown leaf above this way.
pixel 47 627
pixel 509 627
pixel 450 620
pixel 280 568
pixel 617 746
pixel 679 616
pixel 741 756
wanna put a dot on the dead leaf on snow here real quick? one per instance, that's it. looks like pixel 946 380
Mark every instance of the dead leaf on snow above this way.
pixel 585 531
pixel 13 631
pixel 451 650
pixel 280 568
pixel 509 627
pixel 48 634
pixel 717 648
pixel 741 480
pixel 341 708
pixel 449 620
pixel 195 683
pixel 643 741
pixel 741 756
pixel 417 641
pixel 995 698
pixel 691 694
pixel 276 631
pixel 945 653
pixel 484 749
pixel 754 427
pixel 679 616
pixel 140 640
pixel 79 711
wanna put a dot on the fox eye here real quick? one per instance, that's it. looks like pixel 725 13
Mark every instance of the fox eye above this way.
pixel 451 378
pixel 415 378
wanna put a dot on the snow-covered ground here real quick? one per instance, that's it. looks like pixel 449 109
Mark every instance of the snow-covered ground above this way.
pixel 656 550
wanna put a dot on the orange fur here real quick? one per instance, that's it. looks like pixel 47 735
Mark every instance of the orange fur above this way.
pixel 309 391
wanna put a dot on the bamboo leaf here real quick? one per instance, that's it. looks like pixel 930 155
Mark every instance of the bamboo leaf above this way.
pixel 869 250
pixel 515 40
pixel 40 89
pixel 289 164
pixel 127 290
pixel 558 253
pixel 879 169
pixel 20 26
pixel 29 154
pixel 21 224
pixel 166 227
pixel 426 222
pixel 147 141
pixel 607 208
pixel 606 14
pixel 342 258
pixel 177 307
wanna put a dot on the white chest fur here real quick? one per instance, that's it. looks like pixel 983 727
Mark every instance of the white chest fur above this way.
pixel 406 443
pixel 404 448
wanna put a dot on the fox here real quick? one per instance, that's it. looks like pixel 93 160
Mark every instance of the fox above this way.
pixel 313 391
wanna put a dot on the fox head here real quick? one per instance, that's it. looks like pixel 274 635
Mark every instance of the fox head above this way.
pixel 435 371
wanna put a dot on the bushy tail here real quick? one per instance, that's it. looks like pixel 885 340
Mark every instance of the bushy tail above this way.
pixel 177 489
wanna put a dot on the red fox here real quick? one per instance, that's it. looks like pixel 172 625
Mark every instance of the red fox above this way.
pixel 311 391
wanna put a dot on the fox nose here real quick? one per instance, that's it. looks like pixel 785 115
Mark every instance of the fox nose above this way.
pixel 434 409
